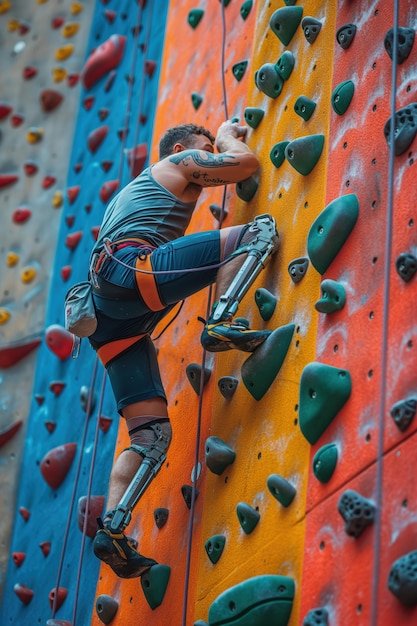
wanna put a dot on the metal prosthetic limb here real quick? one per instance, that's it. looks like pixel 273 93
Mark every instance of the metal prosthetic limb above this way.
pixel 259 252
pixel 154 457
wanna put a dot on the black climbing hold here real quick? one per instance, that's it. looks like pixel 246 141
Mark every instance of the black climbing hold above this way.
pixel 345 35
pixel 285 64
pixel 357 512
pixel 196 100
pixel 248 517
pixel 311 28
pixel 246 8
pixel 281 489
pixel 342 97
pixel 405 40
pixel 246 189
pixel 406 266
pixel 316 617
pixel 106 608
pixel 297 269
pixel 268 80
pixel 218 455
pixel 261 368
pixel 324 390
pixel 277 154
pixel 333 297
pixel 187 494
pixel 214 547
pixel 239 70
pixel 266 303
pixel 193 372
pixel 161 516
pixel 303 153
pixel 225 2
pixel 284 22
pixel 405 121
pixel 403 413
pixel 253 116
pixel 304 107
pixel 324 462
pixel 331 229
pixel 154 583
pixel 218 212
pixel 228 386
pixel 402 579
pixel 194 17
pixel 265 600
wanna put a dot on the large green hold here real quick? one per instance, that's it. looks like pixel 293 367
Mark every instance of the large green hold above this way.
pixel 330 230
pixel 323 392
pixel 304 153
pixel 154 583
pixel 284 22
pixel 260 601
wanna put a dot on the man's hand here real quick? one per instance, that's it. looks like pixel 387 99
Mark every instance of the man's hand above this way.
pixel 229 131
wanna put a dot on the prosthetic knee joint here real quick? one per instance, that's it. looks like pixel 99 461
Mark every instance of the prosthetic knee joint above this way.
pixel 260 247
pixel 153 458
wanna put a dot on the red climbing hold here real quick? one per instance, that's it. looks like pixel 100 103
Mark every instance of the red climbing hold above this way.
pixel 103 59
pixel 110 15
pixel 5 109
pixel 50 426
pixel 59 341
pixel 56 463
pixel 50 99
pixel 40 398
pixel 69 220
pixel 72 240
pixel 29 72
pixel 72 193
pixel 57 387
pixel 72 79
pixel 94 231
pixel 23 593
pixel 108 189
pixel 45 546
pixel 88 102
pixel 24 28
pixel 66 272
pixel 103 113
pixel 106 165
pixel 8 433
pixel 13 354
pixel 95 509
pixel 18 558
pixel 24 512
pixel 21 215
pixel 30 168
pixel 58 622
pixel 104 423
pixel 150 67
pixel 137 158
pixel 8 179
pixel 57 597
pixel 16 120
pixel 48 181
pixel 78 167
pixel 57 22
pixel 96 137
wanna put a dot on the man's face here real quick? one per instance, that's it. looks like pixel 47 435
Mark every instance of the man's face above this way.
pixel 201 142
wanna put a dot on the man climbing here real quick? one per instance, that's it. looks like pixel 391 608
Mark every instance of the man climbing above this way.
pixel 142 265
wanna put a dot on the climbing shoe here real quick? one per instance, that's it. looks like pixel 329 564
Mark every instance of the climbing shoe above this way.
pixel 235 335
pixel 119 552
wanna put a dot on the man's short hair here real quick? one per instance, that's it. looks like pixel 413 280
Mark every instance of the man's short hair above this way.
pixel 181 134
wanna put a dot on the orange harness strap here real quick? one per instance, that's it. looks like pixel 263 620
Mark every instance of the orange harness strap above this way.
pixel 112 349
pixel 147 284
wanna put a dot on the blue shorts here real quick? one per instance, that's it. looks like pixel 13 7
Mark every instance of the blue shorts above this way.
pixel 125 321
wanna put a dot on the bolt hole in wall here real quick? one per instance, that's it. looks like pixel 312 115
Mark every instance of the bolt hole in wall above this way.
pixel 404 503
pixel 322 545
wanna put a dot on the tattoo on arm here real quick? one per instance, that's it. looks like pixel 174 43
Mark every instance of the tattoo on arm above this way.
pixel 206 161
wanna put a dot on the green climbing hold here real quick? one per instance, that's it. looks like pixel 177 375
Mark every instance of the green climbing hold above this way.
pixel 239 70
pixel 154 583
pixel 214 547
pixel 324 462
pixel 268 80
pixel 333 297
pixel 285 64
pixel 342 97
pixel 281 489
pixel 304 107
pixel 266 303
pixel 290 3
pixel 261 368
pixel 194 17
pixel 246 8
pixel 277 154
pixel 262 600
pixel 303 153
pixel 324 390
pixel 196 100
pixel 284 22
pixel 193 372
pixel 246 189
pixel 248 517
pixel 218 455
pixel 253 116
pixel 330 230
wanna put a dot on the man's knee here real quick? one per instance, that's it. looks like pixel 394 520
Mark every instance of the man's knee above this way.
pixel 249 233
pixel 155 434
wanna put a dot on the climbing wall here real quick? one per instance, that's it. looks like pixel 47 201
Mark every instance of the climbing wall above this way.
pixel 288 496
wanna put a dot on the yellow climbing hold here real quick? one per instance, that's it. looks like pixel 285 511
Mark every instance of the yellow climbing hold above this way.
pixel 4 315
pixel 58 74
pixel 57 200
pixel 5 6
pixel 70 29
pixel 34 135
pixel 28 274
pixel 12 25
pixel 64 52
pixel 12 259
pixel 76 8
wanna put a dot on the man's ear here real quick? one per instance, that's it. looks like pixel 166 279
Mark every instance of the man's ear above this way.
pixel 178 147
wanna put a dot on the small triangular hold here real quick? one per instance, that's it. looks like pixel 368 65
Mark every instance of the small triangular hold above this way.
pixel 214 547
pixel 248 517
pixel 194 17
pixel 227 386
pixel 193 372
pixel 106 608
pixel 304 153
pixel 24 594
pixel 218 455
pixel 57 597
pixel 187 494
pixel 161 517
pixel 18 558
pixel 261 368
pixel 281 489
pixel 266 303
pixel 154 583
pixel 247 188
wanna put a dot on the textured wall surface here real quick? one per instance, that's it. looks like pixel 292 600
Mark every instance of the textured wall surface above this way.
pixel 321 419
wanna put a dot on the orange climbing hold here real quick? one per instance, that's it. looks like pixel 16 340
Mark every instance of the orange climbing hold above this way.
pixel 58 74
pixel 12 259
pixel 56 464
pixel 28 274
pixel 70 29
pixel 103 59
pixel 64 52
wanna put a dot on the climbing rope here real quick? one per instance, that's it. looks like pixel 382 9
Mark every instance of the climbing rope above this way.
pixel 385 321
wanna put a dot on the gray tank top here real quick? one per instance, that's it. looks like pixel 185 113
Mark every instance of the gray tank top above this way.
pixel 146 210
